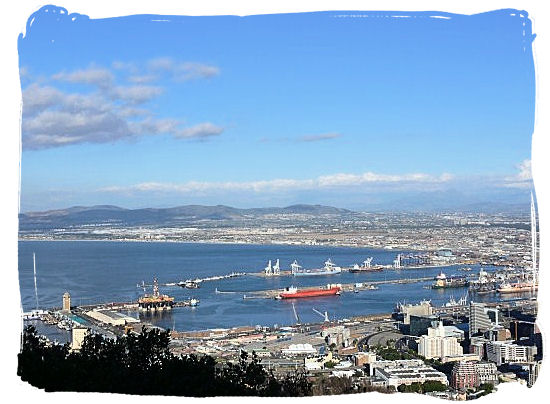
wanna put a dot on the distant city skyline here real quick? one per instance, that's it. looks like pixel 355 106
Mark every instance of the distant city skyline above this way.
pixel 343 109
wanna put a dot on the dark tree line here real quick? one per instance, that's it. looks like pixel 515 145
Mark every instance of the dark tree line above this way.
pixel 143 364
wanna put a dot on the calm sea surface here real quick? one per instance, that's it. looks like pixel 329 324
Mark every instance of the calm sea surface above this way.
pixel 97 272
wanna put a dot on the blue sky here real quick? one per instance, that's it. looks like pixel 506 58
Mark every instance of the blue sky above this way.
pixel 340 108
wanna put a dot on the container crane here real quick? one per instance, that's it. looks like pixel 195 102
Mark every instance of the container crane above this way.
pixel 324 315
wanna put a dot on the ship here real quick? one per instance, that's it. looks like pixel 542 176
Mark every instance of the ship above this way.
pixel 295 293
pixel 517 287
pixel 485 283
pixel 442 282
pixel 364 267
pixel 328 269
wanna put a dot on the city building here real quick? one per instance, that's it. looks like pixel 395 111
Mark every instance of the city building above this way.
pixel 299 349
pixel 111 317
pixel 338 335
pixel 501 352
pixel 498 333
pixel 470 357
pixel 396 373
pixel 77 337
pixel 482 318
pixel 486 372
pixel 419 324
pixel 424 308
pixel 464 376
pixel 362 358
pixel 437 345
pixel 477 346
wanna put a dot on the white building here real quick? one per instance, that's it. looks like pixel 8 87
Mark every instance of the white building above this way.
pixel 486 372
pixel 299 349
pixel 78 334
pixel 338 335
pixel 407 372
pixel 111 317
pixel 501 352
pixel 437 345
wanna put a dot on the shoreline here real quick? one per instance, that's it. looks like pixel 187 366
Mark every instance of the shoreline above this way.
pixel 205 242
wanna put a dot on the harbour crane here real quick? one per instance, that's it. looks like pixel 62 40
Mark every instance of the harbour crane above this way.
pixel 324 315
pixel 295 267
pixel 298 322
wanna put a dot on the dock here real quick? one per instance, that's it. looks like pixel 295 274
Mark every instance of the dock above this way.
pixel 347 287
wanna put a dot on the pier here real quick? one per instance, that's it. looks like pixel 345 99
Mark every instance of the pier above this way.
pixel 347 287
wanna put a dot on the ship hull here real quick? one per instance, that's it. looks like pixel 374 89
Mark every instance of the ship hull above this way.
pixel 311 293
pixel 450 286
pixel 519 289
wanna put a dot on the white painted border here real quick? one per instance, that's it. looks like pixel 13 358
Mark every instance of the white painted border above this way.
pixel 14 18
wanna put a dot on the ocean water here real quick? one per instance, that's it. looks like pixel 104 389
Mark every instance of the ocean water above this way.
pixel 103 271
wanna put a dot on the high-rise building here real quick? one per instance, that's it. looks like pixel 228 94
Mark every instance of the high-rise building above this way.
pixel 437 345
pixel 482 318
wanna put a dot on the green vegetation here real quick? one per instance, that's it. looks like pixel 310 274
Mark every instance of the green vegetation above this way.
pixel 392 354
pixel 421 388
pixel 142 364
pixel 487 388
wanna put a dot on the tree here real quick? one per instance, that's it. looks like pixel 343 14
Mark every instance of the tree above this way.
pixel 487 388
pixel 143 364
pixel 432 385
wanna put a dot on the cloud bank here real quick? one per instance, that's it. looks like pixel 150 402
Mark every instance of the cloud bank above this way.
pixel 283 184
pixel 98 108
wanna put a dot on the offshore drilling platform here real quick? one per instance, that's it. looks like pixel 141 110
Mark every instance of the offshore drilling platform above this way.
pixel 156 301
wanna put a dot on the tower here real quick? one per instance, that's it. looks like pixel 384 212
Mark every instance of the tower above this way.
pixel 66 301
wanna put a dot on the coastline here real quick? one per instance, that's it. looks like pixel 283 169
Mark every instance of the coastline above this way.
pixel 388 248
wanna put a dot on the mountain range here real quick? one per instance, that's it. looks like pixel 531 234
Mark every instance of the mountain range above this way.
pixel 89 215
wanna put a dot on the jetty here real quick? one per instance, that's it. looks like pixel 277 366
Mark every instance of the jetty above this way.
pixel 347 287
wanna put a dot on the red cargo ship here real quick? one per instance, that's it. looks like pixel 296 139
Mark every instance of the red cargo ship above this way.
pixel 295 293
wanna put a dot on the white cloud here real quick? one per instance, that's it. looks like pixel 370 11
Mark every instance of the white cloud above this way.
pixel 142 78
pixel 54 118
pixel 135 94
pixel 525 170
pixel 523 179
pixel 316 138
pixel 183 71
pixel 199 131
pixel 38 98
pixel 282 184
pixel 92 76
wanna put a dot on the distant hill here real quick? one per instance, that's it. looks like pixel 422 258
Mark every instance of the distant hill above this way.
pixel 82 215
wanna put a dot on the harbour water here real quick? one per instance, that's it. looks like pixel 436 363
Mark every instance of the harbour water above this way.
pixel 102 271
